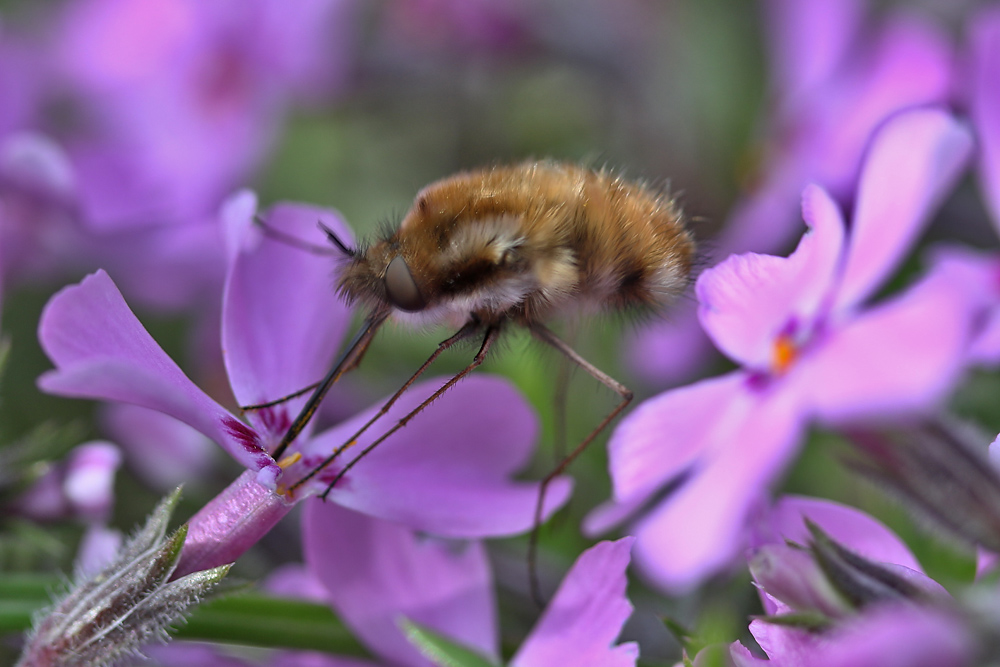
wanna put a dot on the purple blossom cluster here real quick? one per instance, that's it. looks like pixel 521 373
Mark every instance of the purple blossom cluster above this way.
pixel 132 128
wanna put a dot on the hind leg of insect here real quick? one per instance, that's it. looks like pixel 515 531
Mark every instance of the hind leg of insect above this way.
pixel 560 400
pixel 547 336
pixel 470 329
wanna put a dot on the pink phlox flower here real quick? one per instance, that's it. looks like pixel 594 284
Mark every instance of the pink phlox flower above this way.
pixel 810 348
pixel 80 487
pixel 183 99
pixel 448 472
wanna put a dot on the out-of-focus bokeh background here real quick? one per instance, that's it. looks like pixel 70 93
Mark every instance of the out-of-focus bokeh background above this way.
pixel 121 121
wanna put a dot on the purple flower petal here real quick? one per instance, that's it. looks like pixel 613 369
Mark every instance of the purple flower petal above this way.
pixel 701 527
pixel 809 40
pixel 898 636
pixel 229 524
pixel 282 321
pixel 853 528
pixel 823 136
pixel 98 549
pixel 448 471
pixel 296 581
pixel 90 479
pixel 913 162
pixel 979 273
pixel 581 623
pixel 900 357
pixel 749 301
pixel 907 63
pixel 165 452
pixel 985 104
pixel 609 514
pixel 101 351
pixel 785 646
pixel 377 572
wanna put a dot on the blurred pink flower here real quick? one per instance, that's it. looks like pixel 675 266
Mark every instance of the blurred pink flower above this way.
pixel 837 76
pixel 810 349
pixel 891 631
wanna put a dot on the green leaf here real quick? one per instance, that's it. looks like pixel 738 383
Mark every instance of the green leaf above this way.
pixel 250 619
pixel 441 650
pixel 803 620
pixel 258 620
pixel 690 642
pixel 21 595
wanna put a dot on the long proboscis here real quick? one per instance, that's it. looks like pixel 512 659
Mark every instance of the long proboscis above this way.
pixel 349 358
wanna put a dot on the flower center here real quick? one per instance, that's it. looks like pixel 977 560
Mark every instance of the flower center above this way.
pixel 783 354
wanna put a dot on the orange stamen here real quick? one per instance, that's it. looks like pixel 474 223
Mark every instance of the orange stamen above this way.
pixel 783 354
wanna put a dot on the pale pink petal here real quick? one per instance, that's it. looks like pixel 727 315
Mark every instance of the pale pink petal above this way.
pixel 913 162
pixel 99 547
pixel 748 301
pixel 901 357
pixel 701 527
pixel 90 479
pixel 666 435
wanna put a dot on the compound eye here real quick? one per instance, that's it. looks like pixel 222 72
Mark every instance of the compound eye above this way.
pixel 401 288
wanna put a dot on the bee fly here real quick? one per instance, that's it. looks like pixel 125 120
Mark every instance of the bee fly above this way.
pixel 516 245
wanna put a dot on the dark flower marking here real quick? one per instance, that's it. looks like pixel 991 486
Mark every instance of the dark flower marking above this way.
pixel 243 434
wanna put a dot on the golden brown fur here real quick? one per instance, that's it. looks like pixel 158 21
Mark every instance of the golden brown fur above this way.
pixel 523 242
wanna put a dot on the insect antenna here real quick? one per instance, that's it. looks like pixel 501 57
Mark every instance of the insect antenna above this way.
pixel 335 240
pixel 348 360
pixel 468 330
pixel 278 401
pixel 301 244
pixel 545 335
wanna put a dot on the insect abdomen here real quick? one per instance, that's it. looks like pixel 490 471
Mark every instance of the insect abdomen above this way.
pixel 631 245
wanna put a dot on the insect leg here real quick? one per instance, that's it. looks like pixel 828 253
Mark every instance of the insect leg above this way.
pixel 488 339
pixel 547 336
pixel 349 359
pixel 559 402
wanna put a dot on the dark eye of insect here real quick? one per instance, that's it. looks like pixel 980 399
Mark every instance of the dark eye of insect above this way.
pixel 401 288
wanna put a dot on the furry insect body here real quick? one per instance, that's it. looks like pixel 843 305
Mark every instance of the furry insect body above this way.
pixel 526 243
pixel 510 245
